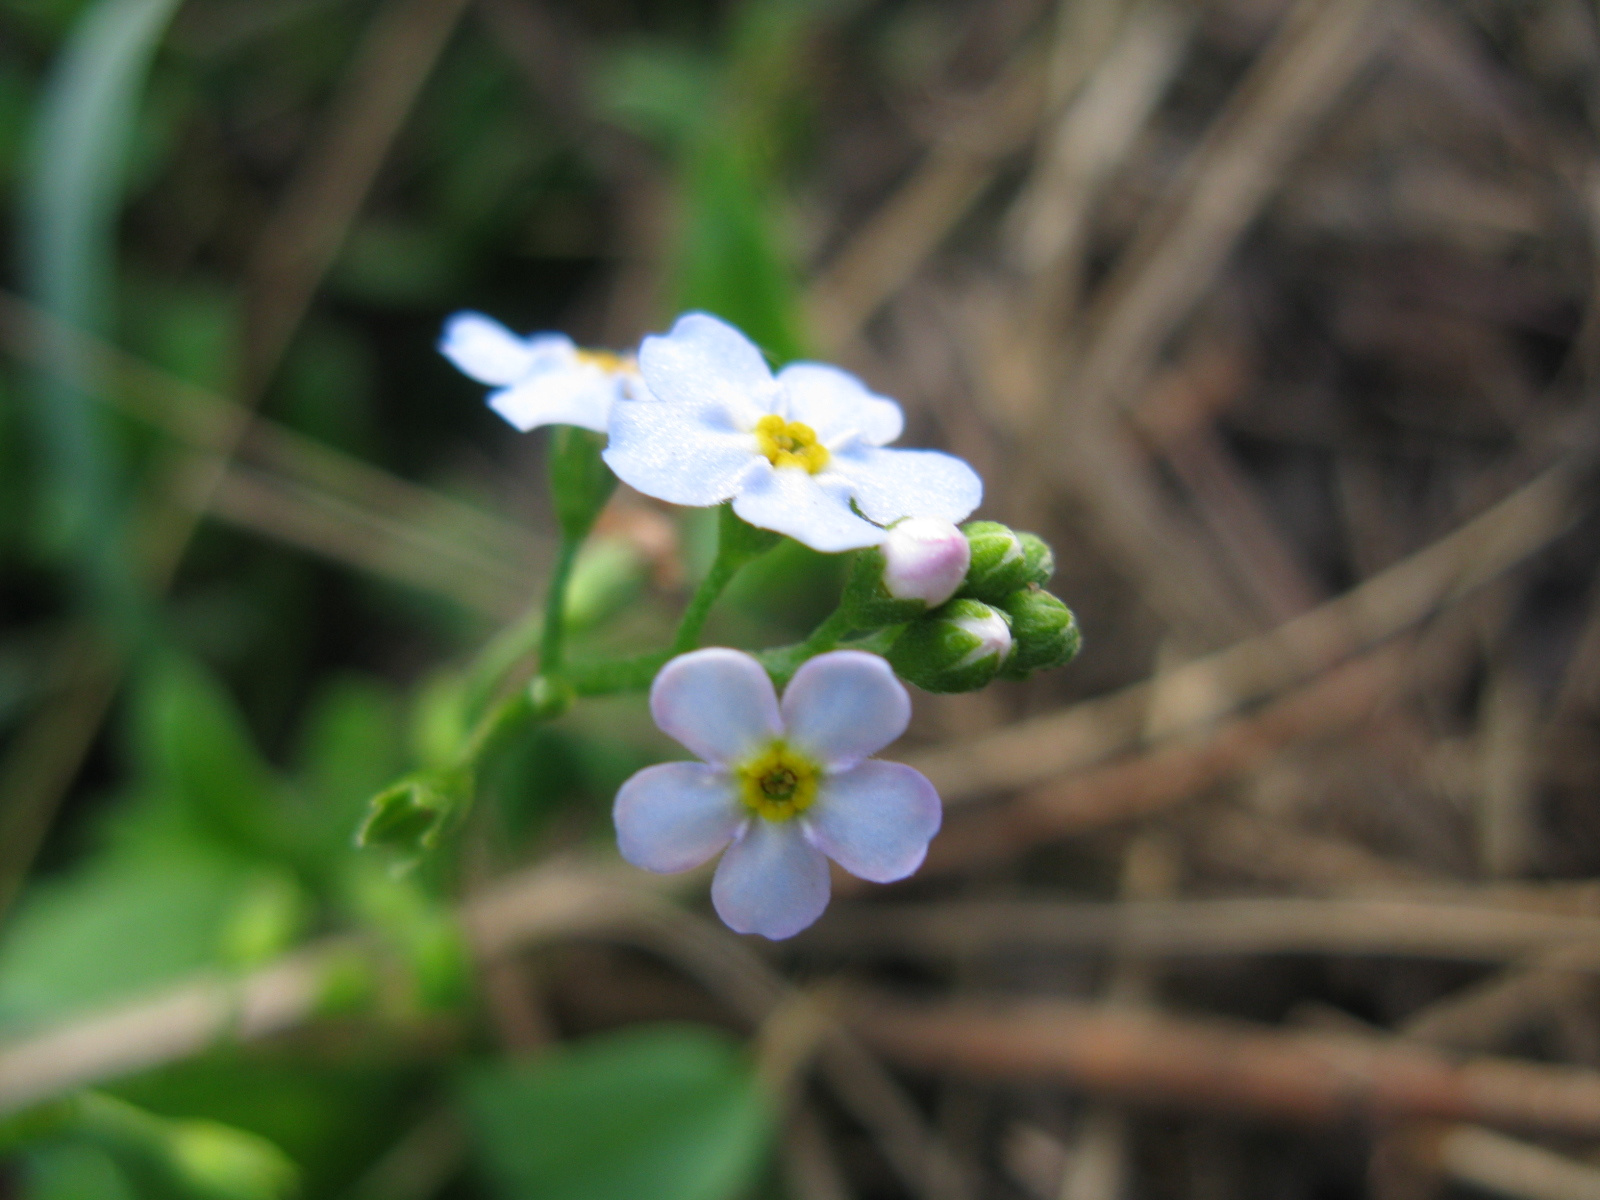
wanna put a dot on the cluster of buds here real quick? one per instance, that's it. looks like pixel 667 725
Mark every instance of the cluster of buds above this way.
pixel 971 600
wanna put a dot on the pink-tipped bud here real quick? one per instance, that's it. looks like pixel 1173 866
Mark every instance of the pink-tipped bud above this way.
pixel 925 559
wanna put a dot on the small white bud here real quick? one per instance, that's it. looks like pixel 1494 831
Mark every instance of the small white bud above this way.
pixel 992 632
pixel 925 559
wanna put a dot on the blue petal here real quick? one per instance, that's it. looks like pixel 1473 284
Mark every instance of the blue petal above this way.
pixel 890 484
pixel 772 881
pixel 486 350
pixel 676 815
pixel 809 508
pixel 717 702
pixel 875 820
pixel 674 454
pixel 841 707
pixel 836 404
pixel 577 395
pixel 710 367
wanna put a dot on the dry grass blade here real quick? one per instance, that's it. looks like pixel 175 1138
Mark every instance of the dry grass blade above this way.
pixel 395 58
pixel 1092 138
pixel 1482 1158
pixel 301 491
pixel 1460 928
pixel 888 248
pixel 371 542
pixel 1313 1078
pixel 1322 47
pixel 1217 684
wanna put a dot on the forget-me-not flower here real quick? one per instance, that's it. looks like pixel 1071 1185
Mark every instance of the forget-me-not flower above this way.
pixel 801 452
pixel 543 379
pixel 784 787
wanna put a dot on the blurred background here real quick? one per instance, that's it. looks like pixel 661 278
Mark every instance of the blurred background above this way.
pixel 1278 318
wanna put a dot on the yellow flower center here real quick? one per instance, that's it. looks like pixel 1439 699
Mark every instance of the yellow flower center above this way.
pixel 778 784
pixel 605 360
pixel 790 444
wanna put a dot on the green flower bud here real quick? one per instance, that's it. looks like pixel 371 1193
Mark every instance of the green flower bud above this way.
pixel 958 647
pixel 1045 630
pixel 999 561
pixel 1040 559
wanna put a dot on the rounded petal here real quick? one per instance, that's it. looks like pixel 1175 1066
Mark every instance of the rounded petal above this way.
pixel 676 815
pixel 890 484
pixel 836 404
pixel 490 353
pixel 809 508
pixel 669 452
pixel 576 395
pixel 875 820
pixel 844 705
pixel 717 702
pixel 772 881
pixel 707 364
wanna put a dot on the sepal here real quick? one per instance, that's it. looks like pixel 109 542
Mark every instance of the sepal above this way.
pixel 412 814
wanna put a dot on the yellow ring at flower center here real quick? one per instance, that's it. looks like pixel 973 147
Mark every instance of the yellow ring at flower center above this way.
pixel 605 360
pixel 778 783
pixel 790 444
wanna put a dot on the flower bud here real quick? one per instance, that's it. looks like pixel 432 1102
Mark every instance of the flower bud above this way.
pixel 959 647
pixel 1045 630
pixel 1040 559
pixel 919 566
pixel 999 561
pixel 925 559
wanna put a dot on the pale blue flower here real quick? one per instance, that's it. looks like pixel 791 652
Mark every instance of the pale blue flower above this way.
pixel 800 453
pixel 784 787
pixel 543 379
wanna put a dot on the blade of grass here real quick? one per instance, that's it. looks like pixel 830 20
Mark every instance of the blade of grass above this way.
pixel 73 180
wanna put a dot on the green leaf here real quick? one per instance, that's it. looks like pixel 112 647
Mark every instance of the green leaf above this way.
pixel 658 90
pixel 74 173
pixel 668 1112
pixel 118 927
pixel 350 746
pixel 200 758
pixel 74 1171
pixel 734 258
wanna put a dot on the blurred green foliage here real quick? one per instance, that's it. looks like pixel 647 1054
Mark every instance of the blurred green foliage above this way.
pixel 663 1111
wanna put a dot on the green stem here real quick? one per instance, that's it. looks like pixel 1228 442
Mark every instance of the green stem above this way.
pixel 694 617
pixel 737 544
pixel 611 676
pixel 552 637
pixel 782 662
pixel 505 651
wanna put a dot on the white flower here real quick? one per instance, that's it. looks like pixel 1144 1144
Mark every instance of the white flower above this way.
pixel 800 453
pixel 925 558
pixel 783 787
pixel 543 379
